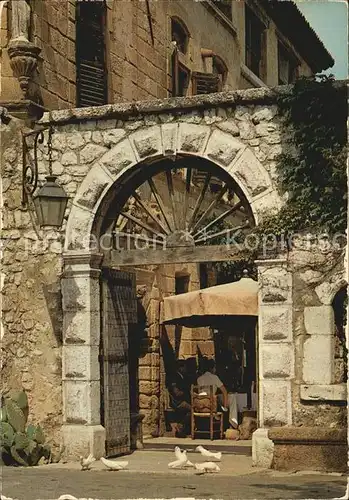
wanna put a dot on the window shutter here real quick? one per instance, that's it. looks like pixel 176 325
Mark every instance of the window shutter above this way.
pixel 90 54
pixel 206 83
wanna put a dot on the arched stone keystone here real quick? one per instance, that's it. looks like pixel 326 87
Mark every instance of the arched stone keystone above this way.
pixel 193 138
pixel 169 134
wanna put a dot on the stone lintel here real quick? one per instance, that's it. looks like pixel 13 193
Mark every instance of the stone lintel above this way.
pixel 174 105
pixel 330 392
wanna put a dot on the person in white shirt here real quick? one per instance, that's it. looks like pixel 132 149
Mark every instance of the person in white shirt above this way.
pixel 209 378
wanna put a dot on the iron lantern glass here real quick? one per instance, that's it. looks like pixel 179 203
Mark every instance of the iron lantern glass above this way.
pixel 50 203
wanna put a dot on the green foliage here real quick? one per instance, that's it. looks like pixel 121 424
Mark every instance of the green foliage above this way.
pixel 20 446
pixel 312 170
pixel 15 416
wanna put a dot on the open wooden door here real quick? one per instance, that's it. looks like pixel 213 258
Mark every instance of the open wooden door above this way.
pixel 119 311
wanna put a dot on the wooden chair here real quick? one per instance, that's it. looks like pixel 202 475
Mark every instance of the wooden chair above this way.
pixel 205 406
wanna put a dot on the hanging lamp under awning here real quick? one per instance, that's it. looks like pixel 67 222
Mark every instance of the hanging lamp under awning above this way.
pixel 200 306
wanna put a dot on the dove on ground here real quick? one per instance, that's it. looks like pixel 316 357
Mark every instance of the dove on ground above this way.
pixel 180 454
pixel 112 465
pixel 178 464
pixel 86 462
pixel 207 467
pixel 209 454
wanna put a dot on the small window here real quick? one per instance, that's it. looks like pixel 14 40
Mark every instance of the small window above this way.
pixel 287 66
pixel 90 53
pixel 253 41
pixel 180 35
pixel 182 283
pixel 224 6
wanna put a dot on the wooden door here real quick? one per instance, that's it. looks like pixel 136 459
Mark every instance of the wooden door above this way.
pixel 119 311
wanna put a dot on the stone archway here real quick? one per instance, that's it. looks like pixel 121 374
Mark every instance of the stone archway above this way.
pixel 82 431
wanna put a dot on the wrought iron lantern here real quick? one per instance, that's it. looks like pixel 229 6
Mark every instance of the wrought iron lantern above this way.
pixel 50 201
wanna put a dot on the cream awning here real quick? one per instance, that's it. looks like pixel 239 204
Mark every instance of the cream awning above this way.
pixel 233 299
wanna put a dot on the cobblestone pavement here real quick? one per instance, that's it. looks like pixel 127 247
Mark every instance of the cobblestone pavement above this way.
pixel 148 477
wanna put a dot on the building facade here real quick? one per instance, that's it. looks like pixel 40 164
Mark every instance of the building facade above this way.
pixel 57 293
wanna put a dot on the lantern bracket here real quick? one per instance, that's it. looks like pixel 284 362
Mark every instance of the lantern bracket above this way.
pixel 30 165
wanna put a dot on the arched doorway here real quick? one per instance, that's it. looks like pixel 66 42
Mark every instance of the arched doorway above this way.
pixel 240 180
pixel 184 211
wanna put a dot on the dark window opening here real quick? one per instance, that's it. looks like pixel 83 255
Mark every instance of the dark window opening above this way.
pixel 180 35
pixel 224 6
pixel 203 275
pixel 90 54
pixel 182 283
pixel 287 67
pixel 180 77
pixel 253 41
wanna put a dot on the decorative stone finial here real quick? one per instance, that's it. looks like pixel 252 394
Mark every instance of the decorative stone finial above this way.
pixel 23 60
pixel 245 273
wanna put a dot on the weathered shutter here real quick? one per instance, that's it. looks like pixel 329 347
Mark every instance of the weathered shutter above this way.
pixel 90 54
pixel 205 83
pixel 119 310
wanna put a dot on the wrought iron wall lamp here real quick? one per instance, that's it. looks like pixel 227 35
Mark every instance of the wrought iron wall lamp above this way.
pixel 50 201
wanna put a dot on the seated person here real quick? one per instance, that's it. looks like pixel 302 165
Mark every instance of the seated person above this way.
pixel 179 391
pixel 209 378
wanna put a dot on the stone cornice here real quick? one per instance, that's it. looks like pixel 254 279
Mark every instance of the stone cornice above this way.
pixel 265 95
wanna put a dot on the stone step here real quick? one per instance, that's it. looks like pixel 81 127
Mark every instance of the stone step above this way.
pixel 231 449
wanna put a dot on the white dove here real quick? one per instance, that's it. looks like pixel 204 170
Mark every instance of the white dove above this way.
pixel 207 467
pixel 180 454
pixel 209 454
pixel 86 462
pixel 111 465
pixel 178 464
pixel 66 497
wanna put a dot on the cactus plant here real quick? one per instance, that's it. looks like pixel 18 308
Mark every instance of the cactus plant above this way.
pixel 20 446
pixel 15 416
pixel 3 414
pixel 18 456
pixel 21 441
pixel 7 434
pixel 35 433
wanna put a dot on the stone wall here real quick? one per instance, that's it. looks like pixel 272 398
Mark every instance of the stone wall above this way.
pixel 319 392
pixel 137 68
pixel 31 299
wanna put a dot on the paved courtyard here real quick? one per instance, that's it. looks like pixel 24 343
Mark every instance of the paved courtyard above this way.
pixel 148 476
